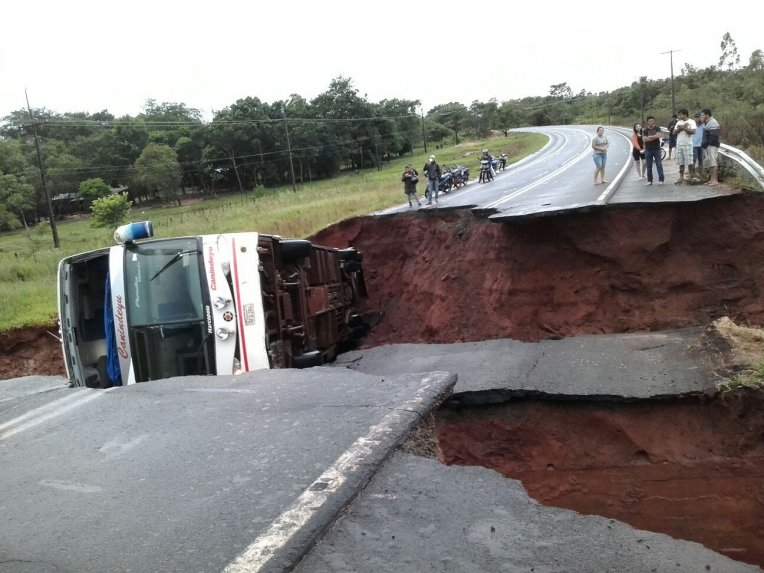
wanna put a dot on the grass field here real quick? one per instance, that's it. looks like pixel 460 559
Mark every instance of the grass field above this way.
pixel 28 261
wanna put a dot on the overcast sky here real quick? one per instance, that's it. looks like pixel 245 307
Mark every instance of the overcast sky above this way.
pixel 89 55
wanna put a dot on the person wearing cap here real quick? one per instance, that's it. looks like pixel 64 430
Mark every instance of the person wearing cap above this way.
pixel 697 142
pixel 432 172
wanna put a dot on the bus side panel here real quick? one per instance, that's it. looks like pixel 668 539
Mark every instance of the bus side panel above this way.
pixel 215 252
pixel 121 328
pixel 248 298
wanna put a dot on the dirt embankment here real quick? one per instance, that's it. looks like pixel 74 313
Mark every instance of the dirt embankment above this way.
pixel 450 276
pixel 447 276
pixel 27 351
pixel 692 468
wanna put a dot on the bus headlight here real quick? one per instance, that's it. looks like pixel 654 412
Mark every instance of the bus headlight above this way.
pixel 223 333
pixel 220 302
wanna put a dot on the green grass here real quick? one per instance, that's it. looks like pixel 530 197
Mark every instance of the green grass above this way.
pixel 749 379
pixel 28 262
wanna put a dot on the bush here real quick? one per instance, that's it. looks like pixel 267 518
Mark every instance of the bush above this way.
pixel 92 189
pixel 109 211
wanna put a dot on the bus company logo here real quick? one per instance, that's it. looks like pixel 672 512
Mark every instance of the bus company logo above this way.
pixel 211 263
pixel 208 312
pixel 121 329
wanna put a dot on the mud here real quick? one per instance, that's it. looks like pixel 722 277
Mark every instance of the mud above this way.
pixel 453 277
pixel 29 351
pixel 691 468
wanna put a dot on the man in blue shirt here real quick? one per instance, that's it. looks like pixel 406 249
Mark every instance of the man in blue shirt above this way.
pixel 697 142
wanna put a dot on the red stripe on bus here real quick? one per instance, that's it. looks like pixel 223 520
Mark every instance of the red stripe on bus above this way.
pixel 239 318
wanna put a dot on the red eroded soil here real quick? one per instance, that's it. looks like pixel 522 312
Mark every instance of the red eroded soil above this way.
pixel 692 469
pixel 451 276
pixel 26 351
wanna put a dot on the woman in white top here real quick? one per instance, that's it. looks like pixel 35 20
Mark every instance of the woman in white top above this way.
pixel 600 145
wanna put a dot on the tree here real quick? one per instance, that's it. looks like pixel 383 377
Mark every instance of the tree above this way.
pixel 730 58
pixel 92 189
pixel 12 158
pixel 157 170
pixel 756 61
pixel 109 211
pixel 561 91
pixel 453 115
pixel 17 197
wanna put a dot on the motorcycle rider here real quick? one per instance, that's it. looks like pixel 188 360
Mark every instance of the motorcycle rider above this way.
pixel 432 172
pixel 486 170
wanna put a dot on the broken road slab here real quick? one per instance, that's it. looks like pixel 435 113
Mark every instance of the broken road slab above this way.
pixel 195 473
pixel 418 515
pixel 628 366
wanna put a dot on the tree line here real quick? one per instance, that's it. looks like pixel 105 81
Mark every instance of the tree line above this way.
pixel 168 148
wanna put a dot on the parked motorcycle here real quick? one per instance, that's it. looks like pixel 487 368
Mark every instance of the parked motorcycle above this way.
pixel 502 162
pixel 446 182
pixel 461 175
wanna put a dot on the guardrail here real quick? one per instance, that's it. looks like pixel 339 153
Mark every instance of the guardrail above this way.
pixel 744 161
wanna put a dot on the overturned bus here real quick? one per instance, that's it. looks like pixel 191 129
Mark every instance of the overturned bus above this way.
pixel 209 304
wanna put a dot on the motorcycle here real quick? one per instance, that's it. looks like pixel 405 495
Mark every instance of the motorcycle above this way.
pixel 502 162
pixel 460 174
pixel 446 182
pixel 486 174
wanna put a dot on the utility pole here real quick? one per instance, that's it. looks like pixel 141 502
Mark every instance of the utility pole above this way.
pixel 289 147
pixel 671 56
pixel 424 133
pixel 642 98
pixel 51 218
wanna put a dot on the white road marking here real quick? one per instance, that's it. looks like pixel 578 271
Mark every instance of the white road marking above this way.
pixel 71 486
pixel 285 526
pixel 566 165
pixel 46 412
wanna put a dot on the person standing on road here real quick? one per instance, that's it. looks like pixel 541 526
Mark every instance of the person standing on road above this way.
pixel 697 142
pixel 683 130
pixel 600 145
pixel 710 145
pixel 410 178
pixel 638 151
pixel 651 135
pixel 672 137
pixel 432 171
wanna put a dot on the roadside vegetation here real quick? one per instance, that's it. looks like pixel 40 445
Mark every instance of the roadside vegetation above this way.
pixel 748 379
pixel 28 262
pixel 342 153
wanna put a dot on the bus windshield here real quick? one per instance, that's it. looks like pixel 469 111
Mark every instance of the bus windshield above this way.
pixel 163 282
pixel 165 309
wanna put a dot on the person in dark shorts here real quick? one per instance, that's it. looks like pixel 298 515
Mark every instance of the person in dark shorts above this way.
pixel 638 151
pixel 672 137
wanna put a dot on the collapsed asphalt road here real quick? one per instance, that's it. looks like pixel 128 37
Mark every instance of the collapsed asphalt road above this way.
pixel 642 271
pixel 455 277
pixel 645 277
